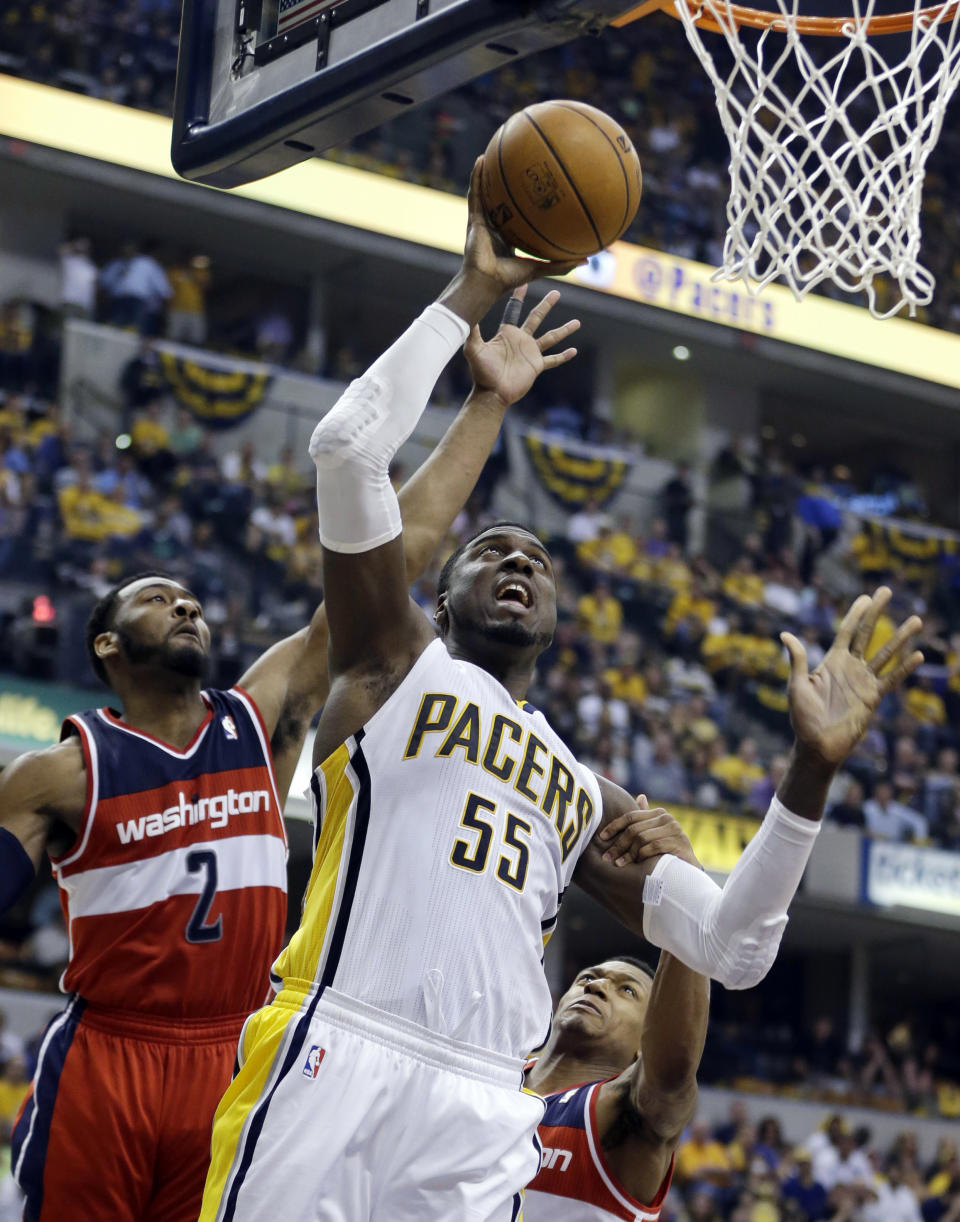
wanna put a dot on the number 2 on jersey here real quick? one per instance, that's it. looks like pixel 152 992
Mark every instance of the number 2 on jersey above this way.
pixel 510 870
pixel 204 861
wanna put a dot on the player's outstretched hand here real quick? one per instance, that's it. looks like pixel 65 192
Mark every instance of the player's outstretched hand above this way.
pixel 486 254
pixel 509 364
pixel 643 833
pixel 831 708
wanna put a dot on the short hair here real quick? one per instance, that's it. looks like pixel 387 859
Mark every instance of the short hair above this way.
pixel 443 581
pixel 101 617
pixel 644 968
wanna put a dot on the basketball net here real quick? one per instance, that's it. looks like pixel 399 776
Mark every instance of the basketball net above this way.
pixel 829 144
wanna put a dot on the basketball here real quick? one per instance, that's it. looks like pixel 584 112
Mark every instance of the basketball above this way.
pixel 561 180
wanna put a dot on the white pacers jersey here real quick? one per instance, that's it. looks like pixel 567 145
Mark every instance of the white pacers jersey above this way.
pixel 448 829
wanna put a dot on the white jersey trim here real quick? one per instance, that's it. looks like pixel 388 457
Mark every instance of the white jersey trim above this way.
pixel 116 724
pixel 51 1032
pixel 92 761
pixel 242 861
pixel 640 1214
pixel 258 724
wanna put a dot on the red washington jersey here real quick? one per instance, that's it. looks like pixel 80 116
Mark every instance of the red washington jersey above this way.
pixel 175 890
pixel 574 1182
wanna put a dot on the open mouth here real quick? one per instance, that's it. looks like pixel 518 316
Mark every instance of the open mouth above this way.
pixel 189 630
pixel 513 591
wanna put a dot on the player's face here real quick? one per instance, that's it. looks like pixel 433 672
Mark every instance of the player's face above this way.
pixel 607 1002
pixel 503 588
pixel 160 625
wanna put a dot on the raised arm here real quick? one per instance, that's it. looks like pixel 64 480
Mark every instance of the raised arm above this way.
pixel 733 934
pixel 376 631
pixel 503 371
pixel 290 681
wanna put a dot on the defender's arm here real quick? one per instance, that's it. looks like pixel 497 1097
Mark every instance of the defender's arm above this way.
pixel 37 791
pixel 642 1114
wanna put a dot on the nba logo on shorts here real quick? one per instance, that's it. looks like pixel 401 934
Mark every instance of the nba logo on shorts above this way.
pixel 311 1066
pixel 229 728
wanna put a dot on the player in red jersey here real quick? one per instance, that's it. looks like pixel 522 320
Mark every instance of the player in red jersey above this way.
pixel 619 1077
pixel 164 827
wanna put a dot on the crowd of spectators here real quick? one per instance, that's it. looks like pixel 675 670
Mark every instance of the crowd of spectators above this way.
pixel 738 1171
pixel 645 75
pixel 666 674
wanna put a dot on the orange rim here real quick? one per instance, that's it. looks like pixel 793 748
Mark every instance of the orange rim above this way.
pixel 743 15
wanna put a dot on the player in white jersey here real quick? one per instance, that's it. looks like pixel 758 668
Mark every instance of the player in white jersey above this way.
pixel 384 1081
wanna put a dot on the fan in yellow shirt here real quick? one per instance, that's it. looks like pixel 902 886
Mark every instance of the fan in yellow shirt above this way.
pixel 743 585
pixel 672 570
pixel 738 772
pixel 148 433
pixel 14 1084
pixel 925 704
pixel 701 1159
pixel 626 684
pixel 690 605
pixel 92 516
pixel 600 614
pixel 614 551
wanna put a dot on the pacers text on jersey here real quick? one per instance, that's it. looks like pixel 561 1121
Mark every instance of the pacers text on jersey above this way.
pixel 532 768
pixel 216 811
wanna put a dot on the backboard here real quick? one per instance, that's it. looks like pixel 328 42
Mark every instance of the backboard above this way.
pixel 263 84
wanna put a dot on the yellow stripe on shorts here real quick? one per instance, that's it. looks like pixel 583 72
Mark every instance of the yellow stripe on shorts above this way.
pixel 262 1040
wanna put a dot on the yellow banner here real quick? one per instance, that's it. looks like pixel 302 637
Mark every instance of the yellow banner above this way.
pixel 122 136
pixel 717 839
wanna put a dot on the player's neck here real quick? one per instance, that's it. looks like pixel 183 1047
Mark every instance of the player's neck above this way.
pixel 514 669
pixel 172 714
pixel 556 1070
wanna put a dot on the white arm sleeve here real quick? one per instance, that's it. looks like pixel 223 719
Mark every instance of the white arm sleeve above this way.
pixel 353 445
pixel 731 934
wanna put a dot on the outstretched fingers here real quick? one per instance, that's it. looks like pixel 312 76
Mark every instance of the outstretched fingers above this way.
pixel 540 311
pixel 798 656
pixel 897 659
pixel 864 633
pixel 474 201
pixel 550 339
pixel 851 622
pixel 902 671
pixel 558 358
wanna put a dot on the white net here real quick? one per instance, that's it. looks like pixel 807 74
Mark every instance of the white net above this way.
pixel 829 140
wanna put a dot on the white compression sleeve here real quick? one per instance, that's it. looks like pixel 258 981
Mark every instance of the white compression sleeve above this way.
pixel 353 445
pixel 732 934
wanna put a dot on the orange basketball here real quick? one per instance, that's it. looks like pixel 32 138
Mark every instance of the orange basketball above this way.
pixel 561 180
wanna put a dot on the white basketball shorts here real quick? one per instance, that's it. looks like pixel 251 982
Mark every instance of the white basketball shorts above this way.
pixel 342 1113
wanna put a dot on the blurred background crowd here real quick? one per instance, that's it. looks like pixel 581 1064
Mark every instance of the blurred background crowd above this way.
pixel 667 674
pixel 126 53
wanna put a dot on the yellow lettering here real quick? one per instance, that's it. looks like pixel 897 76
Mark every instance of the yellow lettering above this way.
pixel 465 734
pixel 574 829
pixel 427 722
pixel 559 792
pixel 502 769
pixel 529 765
